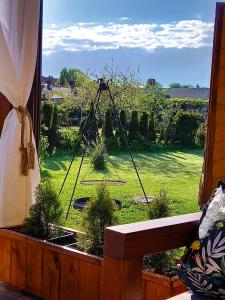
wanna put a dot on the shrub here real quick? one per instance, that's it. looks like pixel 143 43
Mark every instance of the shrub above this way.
pixel 151 127
pixel 123 122
pixel 107 129
pixel 45 214
pixel 159 208
pixel 43 153
pixel 186 125
pixel 100 213
pixel 49 121
pixel 143 128
pixel 159 262
pixel 200 135
pixel 68 139
pixel 98 156
pixel 141 144
pixel 134 127
pixel 89 128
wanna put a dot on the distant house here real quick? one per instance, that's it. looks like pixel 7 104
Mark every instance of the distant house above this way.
pixel 193 93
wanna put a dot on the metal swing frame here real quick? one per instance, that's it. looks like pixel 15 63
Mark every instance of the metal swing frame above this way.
pixel 94 106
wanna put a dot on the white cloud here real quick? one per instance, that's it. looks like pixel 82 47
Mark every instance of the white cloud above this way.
pixel 95 36
pixel 125 18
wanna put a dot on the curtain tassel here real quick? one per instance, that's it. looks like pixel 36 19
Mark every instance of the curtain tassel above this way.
pixel 27 154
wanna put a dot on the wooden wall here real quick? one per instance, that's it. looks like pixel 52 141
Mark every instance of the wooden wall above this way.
pixel 215 147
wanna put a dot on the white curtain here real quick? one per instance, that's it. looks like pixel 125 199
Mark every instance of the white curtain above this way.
pixel 19 20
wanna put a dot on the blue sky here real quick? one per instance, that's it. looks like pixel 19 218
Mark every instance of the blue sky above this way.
pixel 170 41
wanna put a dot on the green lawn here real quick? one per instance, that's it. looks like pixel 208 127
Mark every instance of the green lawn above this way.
pixel 177 171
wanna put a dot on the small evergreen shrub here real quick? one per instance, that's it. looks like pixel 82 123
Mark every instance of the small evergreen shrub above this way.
pixel 159 262
pixel 123 122
pixel 49 122
pixel 89 128
pixel 98 156
pixel 200 135
pixel 143 128
pixel 134 127
pixel 186 125
pixel 107 129
pixel 100 213
pixel 151 128
pixel 43 153
pixel 45 213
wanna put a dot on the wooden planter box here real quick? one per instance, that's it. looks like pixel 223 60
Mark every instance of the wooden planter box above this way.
pixel 47 270
pixel 158 287
pixel 59 272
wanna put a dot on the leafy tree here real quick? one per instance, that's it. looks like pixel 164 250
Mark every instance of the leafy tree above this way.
pixel 73 74
pixel 134 127
pixel 143 128
pixel 178 85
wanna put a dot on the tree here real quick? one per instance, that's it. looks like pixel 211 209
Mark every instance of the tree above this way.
pixel 151 127
pixel 143 128
pixel 134 127
pixel 71 75
pixel 49 123
pixel 107 129
pixel 178 85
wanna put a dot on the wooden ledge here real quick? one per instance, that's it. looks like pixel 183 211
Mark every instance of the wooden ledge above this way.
pixel 135 240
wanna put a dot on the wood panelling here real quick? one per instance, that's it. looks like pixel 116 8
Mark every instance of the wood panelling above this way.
pixel 18 263
pixel 160 287
pixel 214 155
pixel 5 257
pixel 34 254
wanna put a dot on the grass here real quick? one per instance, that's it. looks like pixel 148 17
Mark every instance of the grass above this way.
pixel 177 171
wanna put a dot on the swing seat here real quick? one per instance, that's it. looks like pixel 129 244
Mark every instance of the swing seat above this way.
pixel 106 181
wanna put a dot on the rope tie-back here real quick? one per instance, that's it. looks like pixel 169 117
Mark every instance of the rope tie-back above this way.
pixel 27 153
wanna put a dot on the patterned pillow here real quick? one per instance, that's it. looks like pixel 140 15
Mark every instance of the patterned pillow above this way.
pixel 203 264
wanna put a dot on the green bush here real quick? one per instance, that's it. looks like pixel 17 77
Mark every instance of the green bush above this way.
pixel 186 125
pixel 151 127
pixel 143 127
pixel 43 153
pixel 45 214
pixel 49 122
pixel 141 144
pixel 200 135
pixel 123 122
pixel 89 127
pixel 68 139
pixel 134 127
pixel 107 129
pixel 98 156
pixel 159 262
pixel 100 213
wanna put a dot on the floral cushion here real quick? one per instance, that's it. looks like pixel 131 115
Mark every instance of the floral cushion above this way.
pixel 203 264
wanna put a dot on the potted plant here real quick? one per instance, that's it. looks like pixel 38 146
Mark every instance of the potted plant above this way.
pixel 159 279
pixel 36 256
pixel 100 213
